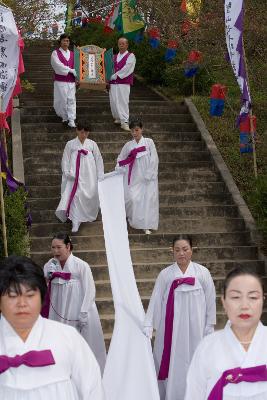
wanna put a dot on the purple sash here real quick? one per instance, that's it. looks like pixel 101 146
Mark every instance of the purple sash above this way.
pixel 118 65
pixel 131 159
pixel 31 359
pixel 237 375
pixel 46 306
pixel 76 181
pixel 166 355
pixel 68 63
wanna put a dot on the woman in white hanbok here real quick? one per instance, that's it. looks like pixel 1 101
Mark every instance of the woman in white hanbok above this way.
pixel 39 359
pixel 231 363
pixel 182 310
pixel 82 167
pixel 72 301
pixel 138 160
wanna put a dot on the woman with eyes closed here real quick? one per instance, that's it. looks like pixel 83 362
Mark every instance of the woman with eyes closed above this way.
pixel 182 310
pixel 231 363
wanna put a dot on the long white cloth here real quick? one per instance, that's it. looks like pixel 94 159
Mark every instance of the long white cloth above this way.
pixel 85 205
pixel 119 93
pixel 75 376
pixel 64 92
pixel 129 372
pixel 194 316
pixel 222 351
pixel 142 195
pixel 74 299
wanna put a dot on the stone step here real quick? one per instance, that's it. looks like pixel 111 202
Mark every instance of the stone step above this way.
pixel 198 175
pixel 183 212
pixel 45 168
pixel 82 100
pixel 109 147
pixel 167 188
pixel 175 200
pixel 60 136
pixel 171 225
pixel 161 254
pixel 147 241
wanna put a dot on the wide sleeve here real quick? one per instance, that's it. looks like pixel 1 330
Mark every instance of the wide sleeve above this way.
pixel 154 310
pixel 88 286
pixel 123 154
pixel 210 295
pixel 98 161
pixel 57 65
pixel 128 68
pixel 66 160
pixel 86 374
pixel 196 382
pixel 151 172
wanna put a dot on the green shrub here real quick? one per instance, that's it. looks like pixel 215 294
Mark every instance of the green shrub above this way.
pixel 257 199
pixel 17 235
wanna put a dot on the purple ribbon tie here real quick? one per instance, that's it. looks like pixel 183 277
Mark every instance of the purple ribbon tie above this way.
pixel 131 159
pixel 31 359
pixel 237 375
pixel 76 181
pixel 46 306
pixel 166 355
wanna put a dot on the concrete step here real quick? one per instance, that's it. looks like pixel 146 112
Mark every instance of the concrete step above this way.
pixel 180 212
pixel 147 241
pixel 165 188
pixel 172 225
pixel 62 136
pixel 161 254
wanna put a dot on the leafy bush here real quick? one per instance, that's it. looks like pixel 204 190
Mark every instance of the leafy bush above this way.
pixel 17 235
pixel 257 199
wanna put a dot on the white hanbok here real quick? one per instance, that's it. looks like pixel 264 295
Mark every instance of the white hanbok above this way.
pixel 119 93
pixel 142 194
pixel 74 300
pixel 194 317
pixel 222 351
pixel 64 92
pixel 74 376
pixel 85 205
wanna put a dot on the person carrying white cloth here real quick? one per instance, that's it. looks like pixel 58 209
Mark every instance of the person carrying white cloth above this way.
pixel 120 84
pixel 39 359
pixel 182 309
pixel 231 364
pixel 71 295
pixel 82 166
pixel 138 160
pixel 62 61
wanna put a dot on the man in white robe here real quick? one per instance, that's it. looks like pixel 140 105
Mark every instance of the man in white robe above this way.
pixel 62 61
pixel 82 167
pixel 194 317
pixel 140 180
pixel 120 84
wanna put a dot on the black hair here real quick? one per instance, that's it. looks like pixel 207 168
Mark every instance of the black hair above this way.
pixel 63 36
pixel 135 122
pixel 19 270
pixel 240 270
pixel 187 238
pixel 123 37
pixel 82 126
pixel 65 238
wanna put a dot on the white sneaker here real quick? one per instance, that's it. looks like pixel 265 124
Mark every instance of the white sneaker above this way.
pixel 75 226
pixel 147 231
pixel 125 127
pixel 117 121
pixel 71 124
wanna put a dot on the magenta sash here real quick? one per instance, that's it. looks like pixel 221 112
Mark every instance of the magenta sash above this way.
pixel 46 306
pixel 237 375
pixel 76 181
pixel 131 159
pixel 30 359
pixel 68 63
pixel 166 355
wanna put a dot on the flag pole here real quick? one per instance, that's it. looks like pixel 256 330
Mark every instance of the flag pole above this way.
pixel 3 216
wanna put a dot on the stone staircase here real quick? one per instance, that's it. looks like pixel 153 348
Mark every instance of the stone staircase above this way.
pixel 193 196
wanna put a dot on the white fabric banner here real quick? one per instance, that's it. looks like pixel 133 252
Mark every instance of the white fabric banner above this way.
pixel 9 55
pixel 129 372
